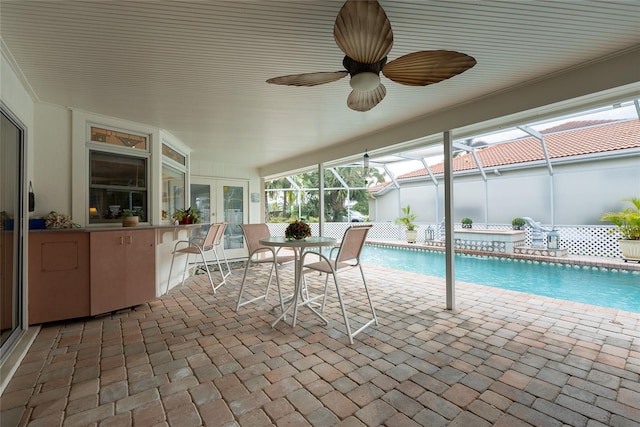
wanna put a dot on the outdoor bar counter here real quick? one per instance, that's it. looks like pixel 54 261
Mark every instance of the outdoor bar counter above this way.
pixel 79 272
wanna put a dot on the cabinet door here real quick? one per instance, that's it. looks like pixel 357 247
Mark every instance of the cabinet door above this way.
pixel 141 266
pixel 108 271
pixel 58 276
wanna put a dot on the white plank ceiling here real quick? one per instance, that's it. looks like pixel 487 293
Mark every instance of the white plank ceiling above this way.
pixel 198 68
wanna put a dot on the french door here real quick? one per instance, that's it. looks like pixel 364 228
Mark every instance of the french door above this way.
pixel 220 200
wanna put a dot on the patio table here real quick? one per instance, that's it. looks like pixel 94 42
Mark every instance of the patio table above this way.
pixel 298 246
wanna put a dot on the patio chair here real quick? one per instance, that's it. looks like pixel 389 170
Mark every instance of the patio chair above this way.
pixel 202 246
pixel 348 257
pixel 260 254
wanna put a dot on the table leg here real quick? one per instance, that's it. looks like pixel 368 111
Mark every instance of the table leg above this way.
pixel 298 294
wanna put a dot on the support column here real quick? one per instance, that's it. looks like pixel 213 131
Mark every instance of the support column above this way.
pixel 448 213
pixel 321 198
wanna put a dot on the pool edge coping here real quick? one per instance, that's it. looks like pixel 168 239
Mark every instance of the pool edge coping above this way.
pixel 610 264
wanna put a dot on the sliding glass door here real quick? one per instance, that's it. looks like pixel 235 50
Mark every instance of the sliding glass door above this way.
pixel 11 238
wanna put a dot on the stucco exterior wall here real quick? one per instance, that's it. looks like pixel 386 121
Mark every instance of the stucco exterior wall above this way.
pixel 52 159
pixel 581 192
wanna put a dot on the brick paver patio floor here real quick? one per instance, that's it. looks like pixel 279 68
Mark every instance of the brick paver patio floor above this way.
pixel 187 359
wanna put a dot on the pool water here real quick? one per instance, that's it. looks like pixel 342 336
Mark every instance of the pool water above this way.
pixel 612 289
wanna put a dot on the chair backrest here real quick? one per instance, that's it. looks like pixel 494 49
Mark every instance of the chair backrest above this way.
pixel 210 238
pixel 220 234
pixel 352 243
pixel 252 235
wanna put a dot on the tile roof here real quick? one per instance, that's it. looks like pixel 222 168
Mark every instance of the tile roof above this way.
pixel 566 140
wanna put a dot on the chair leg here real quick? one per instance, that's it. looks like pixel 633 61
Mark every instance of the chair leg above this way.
pixel 206 268
pixel 366 288
pixel 274 265
pixel 274 269
pixel 173 257
pixel 344 310
pixel 224 277
pixel 326 288
pixel 186 267
pixel 226 261
pixel 244 280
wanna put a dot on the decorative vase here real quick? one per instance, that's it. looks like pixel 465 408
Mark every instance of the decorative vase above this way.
pixel 411 235
pixel 630 249
pixel 130 221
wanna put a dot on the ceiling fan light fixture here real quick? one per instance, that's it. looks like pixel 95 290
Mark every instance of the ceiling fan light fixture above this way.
pixel 364 82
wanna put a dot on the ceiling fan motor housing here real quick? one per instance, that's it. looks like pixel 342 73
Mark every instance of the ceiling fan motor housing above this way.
pixel 364 77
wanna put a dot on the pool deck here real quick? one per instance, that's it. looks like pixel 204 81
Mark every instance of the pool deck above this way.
pixel 500 358
pixel 577 260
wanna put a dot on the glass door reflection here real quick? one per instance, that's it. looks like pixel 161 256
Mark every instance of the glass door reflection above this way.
pixel 233 206
pixel 223 200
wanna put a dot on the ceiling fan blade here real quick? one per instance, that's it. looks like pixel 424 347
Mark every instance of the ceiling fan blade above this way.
pixel 365 101
pixel 308 79
pixel 427 67
pixel 363 31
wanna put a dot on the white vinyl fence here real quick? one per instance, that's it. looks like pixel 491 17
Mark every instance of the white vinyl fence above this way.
pixel 578 240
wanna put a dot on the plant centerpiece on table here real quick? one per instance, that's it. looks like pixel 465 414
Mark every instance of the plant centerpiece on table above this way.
pixel 466 222
pixel 131 217
pixel 186 216
pixel 297 230
pixel 627 222
pixel 518 223
pixel 406 220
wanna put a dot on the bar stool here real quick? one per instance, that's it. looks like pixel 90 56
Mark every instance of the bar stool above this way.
pixel 201 246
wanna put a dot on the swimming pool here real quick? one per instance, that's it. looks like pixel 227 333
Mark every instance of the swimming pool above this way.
pixel 612 289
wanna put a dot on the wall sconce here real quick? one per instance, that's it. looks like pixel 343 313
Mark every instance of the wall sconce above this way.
pixel 553 240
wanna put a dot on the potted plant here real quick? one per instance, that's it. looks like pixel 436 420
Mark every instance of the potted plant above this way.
pixel 518 223
pixel 131 217
pixel 186 216
pixel 406 220
pixel 297 230
pixel 627 222
pixel 466 222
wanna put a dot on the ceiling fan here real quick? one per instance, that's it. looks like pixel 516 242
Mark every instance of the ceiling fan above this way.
pixel 363 32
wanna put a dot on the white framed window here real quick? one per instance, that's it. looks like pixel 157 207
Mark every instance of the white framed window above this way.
pixel 118 164
pixel 174 180
pixel 118 174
